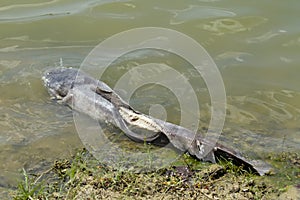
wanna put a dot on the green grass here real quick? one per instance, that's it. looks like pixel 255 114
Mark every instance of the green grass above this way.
pixel 83 176
pixel 28 188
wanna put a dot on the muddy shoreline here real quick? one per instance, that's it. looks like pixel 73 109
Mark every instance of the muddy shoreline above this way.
pixel 83 177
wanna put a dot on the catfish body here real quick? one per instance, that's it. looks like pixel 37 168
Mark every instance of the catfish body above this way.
pixel 96 99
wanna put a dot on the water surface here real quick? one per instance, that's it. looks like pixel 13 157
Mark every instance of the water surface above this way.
pixel 255 44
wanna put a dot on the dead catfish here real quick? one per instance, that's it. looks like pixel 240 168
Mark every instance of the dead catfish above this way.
pixel 95 98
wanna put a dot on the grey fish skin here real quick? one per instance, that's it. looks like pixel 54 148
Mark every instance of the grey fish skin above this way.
pixel 78 90
pixel 96 99
pixel 81 92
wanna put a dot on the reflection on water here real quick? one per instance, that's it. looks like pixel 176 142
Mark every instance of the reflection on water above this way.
pixel 256 49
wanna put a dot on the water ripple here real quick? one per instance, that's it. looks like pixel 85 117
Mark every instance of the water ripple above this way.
pixel 267 106
pixel 233 25
pixel 35 11
pixel 24 123
pixel 266 36
pixel 198 12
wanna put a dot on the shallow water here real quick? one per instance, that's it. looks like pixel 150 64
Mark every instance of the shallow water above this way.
pixel 255 45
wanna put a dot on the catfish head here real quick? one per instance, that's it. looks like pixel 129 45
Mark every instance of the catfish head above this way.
pixel 59 81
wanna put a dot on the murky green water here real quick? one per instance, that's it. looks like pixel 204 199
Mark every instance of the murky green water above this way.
pixel 255 44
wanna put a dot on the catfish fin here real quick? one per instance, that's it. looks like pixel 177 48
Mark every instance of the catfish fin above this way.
pixel 100 90
pixel 210 157
pixel 257 166
pixel 261 167
pixel 200 150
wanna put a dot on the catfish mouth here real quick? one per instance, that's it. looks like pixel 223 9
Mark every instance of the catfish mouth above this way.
pixel 56 94
pixel 56 91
